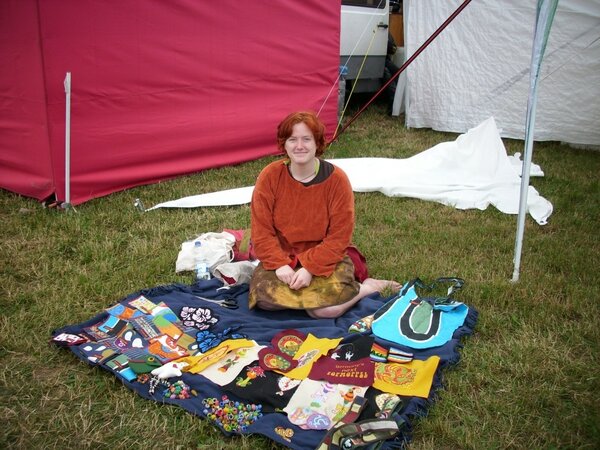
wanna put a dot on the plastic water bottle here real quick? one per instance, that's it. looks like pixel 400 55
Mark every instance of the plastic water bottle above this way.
pixel 200 263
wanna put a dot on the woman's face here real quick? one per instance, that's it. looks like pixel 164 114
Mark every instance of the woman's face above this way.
pixel 301 146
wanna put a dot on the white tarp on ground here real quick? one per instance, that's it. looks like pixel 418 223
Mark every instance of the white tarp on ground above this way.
pixel 479 67
pixel 473 171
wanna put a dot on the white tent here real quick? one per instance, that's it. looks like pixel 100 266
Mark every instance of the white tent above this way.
pixel 479 67
pixel 497 83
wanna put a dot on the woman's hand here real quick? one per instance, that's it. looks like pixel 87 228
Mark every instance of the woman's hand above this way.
pixel 301 279
pixel 285 274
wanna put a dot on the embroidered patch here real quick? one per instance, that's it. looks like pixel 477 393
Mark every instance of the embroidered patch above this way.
pixel 67 339
pixel 279 356
pixel 166 349
pixel 251 374
pixel 167 323
pixel 207 340
pixel 359 373
pixel 362 325
pixel 270 360
pixel 399 356
pixel 231 366
pixel 200 318
pixel 145 326
pixel 288 341
pixel 143 304
pixel 129 339
pixel 386 403
pixel 265 387
pixel 413 378
pixel 285 433
pixel 285 384
pixel 120 366
pixel 318 405
pixel 379 353
pixel 201 361
pixel 123 312
pixel 348 363
pixel 318 421
pixel 110 327
pixel 145 364
pixel 96 352
pixel 188 340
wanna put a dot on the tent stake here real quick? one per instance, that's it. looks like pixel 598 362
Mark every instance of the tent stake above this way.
pixel 67 203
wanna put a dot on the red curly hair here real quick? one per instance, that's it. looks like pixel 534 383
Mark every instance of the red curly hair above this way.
pixel 310 119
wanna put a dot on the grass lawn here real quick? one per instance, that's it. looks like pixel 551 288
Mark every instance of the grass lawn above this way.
pixel 528 377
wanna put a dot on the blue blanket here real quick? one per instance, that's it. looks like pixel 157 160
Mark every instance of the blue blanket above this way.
pixel 262 326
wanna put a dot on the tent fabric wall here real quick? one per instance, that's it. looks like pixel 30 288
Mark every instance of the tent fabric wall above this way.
pixel 479 67
pixel 159 88
pixel 25 161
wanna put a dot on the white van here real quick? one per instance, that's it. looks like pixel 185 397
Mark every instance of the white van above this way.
pixel 364 31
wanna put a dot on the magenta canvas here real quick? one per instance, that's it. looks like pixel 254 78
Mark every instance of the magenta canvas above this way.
pixel 159 89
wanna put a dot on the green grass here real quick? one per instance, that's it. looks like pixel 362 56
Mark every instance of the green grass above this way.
pixel 528 377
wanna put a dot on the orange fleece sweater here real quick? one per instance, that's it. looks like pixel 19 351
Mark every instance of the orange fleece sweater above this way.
pixel 313 223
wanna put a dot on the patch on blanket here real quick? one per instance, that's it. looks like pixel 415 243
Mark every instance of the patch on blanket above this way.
pixel 347 387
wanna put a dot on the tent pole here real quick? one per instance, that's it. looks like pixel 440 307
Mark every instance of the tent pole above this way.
pixel 524 188
pixel 67 202
pixel 544 16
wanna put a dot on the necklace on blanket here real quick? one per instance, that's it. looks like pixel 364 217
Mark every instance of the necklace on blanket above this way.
pixel 311 175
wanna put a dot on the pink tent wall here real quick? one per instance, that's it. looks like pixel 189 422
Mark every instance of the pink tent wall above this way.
pixel 159 88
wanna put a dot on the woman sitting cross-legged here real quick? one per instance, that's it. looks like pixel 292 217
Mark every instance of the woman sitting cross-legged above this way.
pixel 302 220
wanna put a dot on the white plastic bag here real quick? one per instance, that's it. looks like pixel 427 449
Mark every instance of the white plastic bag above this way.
pixel 238 272
pixel 216 249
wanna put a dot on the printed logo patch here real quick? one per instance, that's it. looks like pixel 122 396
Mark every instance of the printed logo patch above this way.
pixel 200 318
